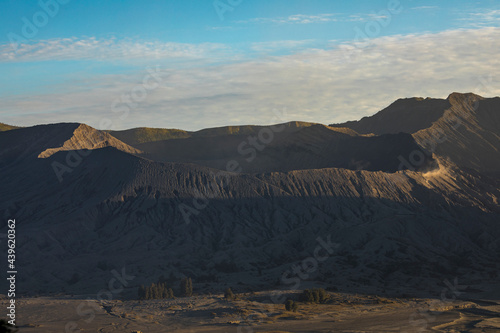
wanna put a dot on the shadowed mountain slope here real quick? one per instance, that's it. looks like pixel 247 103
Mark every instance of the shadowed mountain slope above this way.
pixel 166 208
pixel 468 133
pixel 141 135
pixel 407 115
pixel 285 147
pixel 116 209
pixel 465 128
pixel 44 140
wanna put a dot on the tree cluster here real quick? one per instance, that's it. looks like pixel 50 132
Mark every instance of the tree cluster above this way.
pixel 186 287
pixel 155 291
pixel 160 290
pixel 315 295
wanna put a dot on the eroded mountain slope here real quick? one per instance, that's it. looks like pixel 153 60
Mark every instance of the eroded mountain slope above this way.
pixel 116 209
pixel 464 128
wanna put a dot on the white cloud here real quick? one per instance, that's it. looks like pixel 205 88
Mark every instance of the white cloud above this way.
pixel 107 49
pixel 294 19
pixel 330 85
pixel 286 45
pixel 483 18
pixel 307 19
pixel 424 7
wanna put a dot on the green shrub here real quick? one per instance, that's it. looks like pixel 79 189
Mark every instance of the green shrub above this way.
pixel 315 295
pixel 291 306
pixel 229 294
pixel 187 287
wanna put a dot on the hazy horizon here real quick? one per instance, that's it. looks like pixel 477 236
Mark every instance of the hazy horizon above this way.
pixel 198 65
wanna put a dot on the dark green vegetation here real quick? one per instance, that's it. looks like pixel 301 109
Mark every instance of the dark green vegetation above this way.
pixel 228 294
pixel 291 306
pixel 186 287
pixel 155 291
pixel 160 290
pixel 315 295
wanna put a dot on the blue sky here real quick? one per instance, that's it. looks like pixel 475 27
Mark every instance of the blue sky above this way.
pixel 227 62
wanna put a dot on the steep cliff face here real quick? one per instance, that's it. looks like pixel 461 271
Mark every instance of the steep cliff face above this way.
pixel 464 128
pixel 468 133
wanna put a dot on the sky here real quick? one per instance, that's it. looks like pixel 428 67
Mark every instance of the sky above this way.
pixel 194 64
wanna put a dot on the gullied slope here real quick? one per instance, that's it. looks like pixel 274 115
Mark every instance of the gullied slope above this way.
pixel 118 210
pixel 468 133
pixel 464 128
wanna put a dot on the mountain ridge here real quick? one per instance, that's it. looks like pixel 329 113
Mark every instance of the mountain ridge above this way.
pixel 5 127
pixel 463 128
pixel 120 207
